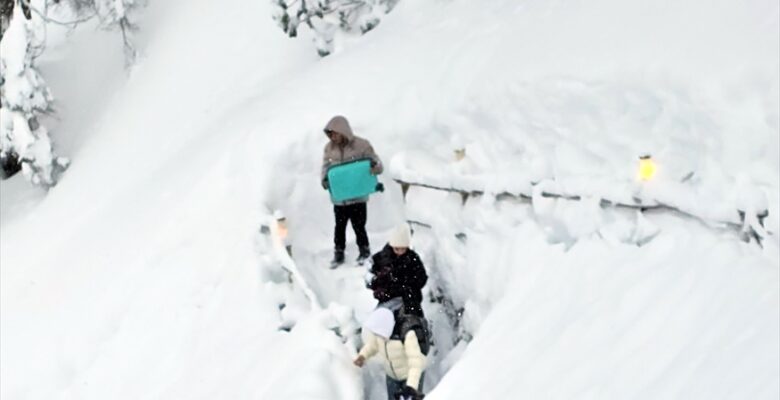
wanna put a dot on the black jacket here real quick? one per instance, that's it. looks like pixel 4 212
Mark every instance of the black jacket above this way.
pixel 396 276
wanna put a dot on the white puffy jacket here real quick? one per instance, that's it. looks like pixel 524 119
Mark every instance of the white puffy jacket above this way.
pixel 403 361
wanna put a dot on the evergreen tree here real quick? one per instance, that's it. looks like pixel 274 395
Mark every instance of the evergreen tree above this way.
pixel 328 17
pixel 24 143
pixel 24 96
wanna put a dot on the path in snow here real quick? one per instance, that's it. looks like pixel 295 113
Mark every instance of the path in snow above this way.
pixel 309 218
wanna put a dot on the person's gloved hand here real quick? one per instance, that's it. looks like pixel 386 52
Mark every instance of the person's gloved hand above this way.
pixel 381 294
pixel 408 393
pixel 380 187
pixel 374 169
pixel 325 184
pixel 359 361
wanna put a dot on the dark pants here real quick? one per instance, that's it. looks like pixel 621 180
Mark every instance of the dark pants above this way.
pixel 355 213
pixel 393 386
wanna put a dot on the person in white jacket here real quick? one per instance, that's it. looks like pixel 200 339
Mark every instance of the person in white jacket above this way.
pixel 404 359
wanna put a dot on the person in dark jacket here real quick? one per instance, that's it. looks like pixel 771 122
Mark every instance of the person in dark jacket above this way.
pixel 398 271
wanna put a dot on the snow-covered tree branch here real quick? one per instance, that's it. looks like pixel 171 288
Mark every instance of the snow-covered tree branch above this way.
pixel 25 143
pixel 328 17
pixel 25 96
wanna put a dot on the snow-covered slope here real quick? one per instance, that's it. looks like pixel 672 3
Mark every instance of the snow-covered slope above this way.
pixel 140 274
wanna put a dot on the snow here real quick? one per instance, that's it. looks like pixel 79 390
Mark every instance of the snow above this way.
pixel 143 273
pixel 650 328
pixel 25 94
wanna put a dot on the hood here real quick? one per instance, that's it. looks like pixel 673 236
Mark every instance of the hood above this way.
pixel 341 125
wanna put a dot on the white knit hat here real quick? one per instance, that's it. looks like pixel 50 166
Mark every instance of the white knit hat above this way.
pixel 381 322
pixel 401 236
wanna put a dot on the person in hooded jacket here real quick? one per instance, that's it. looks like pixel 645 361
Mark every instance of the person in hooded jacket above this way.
pixel 401 342
pixel 344 146
pixel 398 271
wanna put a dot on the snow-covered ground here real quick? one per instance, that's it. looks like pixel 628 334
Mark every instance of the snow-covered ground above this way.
pixel 143 273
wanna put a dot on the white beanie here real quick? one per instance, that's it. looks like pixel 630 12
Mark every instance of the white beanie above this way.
pixel 401 236
pixel 381 322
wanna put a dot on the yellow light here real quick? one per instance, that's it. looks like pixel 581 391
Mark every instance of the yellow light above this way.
pixel 647 168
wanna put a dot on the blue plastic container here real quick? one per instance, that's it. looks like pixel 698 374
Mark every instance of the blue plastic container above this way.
pixel 351 180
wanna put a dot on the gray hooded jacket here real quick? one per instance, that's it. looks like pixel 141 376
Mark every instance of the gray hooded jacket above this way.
pixel 355 148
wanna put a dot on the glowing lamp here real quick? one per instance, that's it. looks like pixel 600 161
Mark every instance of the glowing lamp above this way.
pixel 647 168
pixel 282 230
pixel 281 224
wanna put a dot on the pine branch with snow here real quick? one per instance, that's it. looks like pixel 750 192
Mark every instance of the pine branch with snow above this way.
pixel 24 97
pixel 112 14
pixel 326 18
pixel 24 143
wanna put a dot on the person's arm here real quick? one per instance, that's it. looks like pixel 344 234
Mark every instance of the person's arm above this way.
pixel 376 263
pixel 376 164
pixel 417 278
pixel 415 360
pixel 368 350
pixel 324 171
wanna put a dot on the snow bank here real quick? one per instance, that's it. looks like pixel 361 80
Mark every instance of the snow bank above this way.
pixel 138 276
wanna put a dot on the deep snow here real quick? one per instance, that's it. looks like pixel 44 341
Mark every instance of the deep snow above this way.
pixel 140 275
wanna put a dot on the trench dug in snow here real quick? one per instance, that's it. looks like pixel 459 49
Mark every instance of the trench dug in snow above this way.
pixel 340 298
pixel 479 253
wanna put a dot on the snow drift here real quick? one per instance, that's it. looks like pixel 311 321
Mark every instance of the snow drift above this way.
pixel 139 275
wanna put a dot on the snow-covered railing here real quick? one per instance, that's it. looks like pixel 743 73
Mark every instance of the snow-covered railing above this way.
pixel 336 317
pixel 744 214
pixel 276 228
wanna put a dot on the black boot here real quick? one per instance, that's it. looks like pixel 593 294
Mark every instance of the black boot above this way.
pixel 338 258
pixel 365 253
